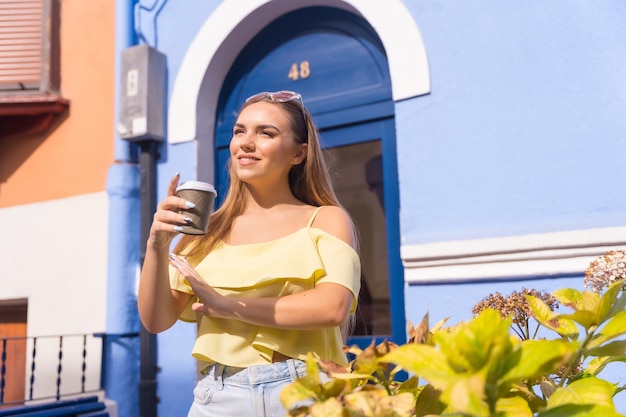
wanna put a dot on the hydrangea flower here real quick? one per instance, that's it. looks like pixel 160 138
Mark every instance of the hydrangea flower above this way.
pixel 516 306
pixel 605 270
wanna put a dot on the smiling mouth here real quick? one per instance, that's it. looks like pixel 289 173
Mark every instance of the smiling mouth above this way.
pixel 247 159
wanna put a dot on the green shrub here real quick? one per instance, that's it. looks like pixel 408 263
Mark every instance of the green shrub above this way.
pixel 494 365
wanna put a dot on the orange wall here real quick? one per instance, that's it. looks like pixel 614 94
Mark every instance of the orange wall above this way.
pixel 73 158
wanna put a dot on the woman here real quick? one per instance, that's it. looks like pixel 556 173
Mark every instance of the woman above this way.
pixel 275 277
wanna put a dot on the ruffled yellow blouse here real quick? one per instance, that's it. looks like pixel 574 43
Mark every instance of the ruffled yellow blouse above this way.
pixel 290 264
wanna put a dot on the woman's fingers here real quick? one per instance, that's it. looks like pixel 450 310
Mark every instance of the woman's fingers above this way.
pixel 183 266
pixel 169 211
pixel 171 190
pixel 170 215
pixel 208 298
pixel 198 307
pixel 175 261
pixel 189 272
pixel 173 203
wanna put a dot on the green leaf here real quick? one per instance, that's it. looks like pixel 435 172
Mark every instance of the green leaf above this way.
pixel 542 313
pixel 591 301
pixel 447 414
pixel 620 302
pixel 376 403
pixel 329 408
pixel 596 365
pixel 614 328
pixel 353 376
pixel 472 345
pixel 366 362
pixel 535 358
pixel 428 402
pixel 422 360
pixel 569 297
pixel 592 390
pixel 466 395
pixel 449 345
pixel 610 304
pixel 616 348
pixel 312 369
pixel 410 385
pixel 296 392
pixel 580 410
pixel 513 407
pixel 333 388
pixel 585 318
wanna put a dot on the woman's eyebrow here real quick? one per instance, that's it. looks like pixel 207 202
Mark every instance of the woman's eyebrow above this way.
pixel 264 126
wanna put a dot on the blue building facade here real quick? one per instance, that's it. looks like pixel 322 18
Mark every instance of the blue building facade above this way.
pixel 478 145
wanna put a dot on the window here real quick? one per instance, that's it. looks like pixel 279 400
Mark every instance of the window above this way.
pixel 29 66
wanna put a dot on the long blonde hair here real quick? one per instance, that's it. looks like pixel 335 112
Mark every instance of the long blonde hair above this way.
pixel 309 182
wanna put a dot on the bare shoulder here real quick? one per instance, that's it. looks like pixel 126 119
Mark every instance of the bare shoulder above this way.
pixel 337 222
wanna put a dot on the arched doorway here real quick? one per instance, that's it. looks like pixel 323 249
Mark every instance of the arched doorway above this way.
pixel 336 61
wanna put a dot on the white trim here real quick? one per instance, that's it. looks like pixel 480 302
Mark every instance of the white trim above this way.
pixel 235 22
pixel 536 255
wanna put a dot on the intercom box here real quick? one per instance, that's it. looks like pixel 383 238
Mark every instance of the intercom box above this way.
pixel 142 95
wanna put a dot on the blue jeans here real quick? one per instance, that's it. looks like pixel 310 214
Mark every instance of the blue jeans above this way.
pixel 244 392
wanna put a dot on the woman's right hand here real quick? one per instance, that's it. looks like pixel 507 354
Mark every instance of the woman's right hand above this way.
pixel 169 217
pixel 159 306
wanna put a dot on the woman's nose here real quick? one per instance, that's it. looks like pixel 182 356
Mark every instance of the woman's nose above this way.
pixel 247 142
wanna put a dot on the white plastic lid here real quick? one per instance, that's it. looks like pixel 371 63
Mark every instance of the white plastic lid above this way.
pixel 196 185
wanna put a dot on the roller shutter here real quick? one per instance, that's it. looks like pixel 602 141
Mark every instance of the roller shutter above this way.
pixel 28 45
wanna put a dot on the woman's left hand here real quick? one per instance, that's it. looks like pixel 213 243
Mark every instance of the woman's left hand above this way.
pixel 209 299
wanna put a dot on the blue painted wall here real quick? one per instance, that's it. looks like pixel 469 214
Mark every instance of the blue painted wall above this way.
pixel 523 132
pixel 524 129
pixel 169 26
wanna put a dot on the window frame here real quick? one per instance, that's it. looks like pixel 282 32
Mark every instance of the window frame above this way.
pixel 33 110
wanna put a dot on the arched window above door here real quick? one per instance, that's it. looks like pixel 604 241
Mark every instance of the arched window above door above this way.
pixel 207 59
pixel 332 57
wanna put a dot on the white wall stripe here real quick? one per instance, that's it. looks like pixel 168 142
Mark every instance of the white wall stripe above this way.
pixel 536 255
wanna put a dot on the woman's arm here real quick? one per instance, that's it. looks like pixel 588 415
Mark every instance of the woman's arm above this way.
pixel 326 305
pixel 159 306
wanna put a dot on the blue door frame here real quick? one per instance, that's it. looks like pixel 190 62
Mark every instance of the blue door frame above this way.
pixel 383 130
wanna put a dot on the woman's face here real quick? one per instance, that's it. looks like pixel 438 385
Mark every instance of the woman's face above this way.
pixel 263 149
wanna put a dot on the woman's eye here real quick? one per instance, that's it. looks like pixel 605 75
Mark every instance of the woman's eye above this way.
pixel 266 133
pixel 237 131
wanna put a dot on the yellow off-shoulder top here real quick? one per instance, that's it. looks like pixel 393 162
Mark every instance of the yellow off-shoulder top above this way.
pixel 290 264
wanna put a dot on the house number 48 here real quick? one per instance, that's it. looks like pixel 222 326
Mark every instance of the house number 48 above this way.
pixel 298 71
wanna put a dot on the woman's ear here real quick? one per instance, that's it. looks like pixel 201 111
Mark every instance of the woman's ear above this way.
pixel 299 154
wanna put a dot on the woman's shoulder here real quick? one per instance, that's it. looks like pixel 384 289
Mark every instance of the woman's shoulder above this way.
pixel 335 221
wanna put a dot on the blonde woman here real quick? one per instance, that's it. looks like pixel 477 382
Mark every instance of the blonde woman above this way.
pixel 276 276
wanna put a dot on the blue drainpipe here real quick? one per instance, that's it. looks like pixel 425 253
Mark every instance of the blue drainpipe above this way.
pixel 121 370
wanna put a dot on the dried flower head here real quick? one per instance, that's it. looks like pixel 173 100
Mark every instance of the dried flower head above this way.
pixel 494 300
pixel 605 270
pixel 516 306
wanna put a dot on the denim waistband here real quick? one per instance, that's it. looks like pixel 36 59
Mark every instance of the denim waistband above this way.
pixel 255 374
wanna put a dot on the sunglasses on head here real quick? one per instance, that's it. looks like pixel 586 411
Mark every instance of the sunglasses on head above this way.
pixel 279 97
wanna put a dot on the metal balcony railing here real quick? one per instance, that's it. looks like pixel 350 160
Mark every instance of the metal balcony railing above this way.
pixel 52 367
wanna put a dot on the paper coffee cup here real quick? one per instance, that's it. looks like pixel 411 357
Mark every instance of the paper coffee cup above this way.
pixel 202 194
